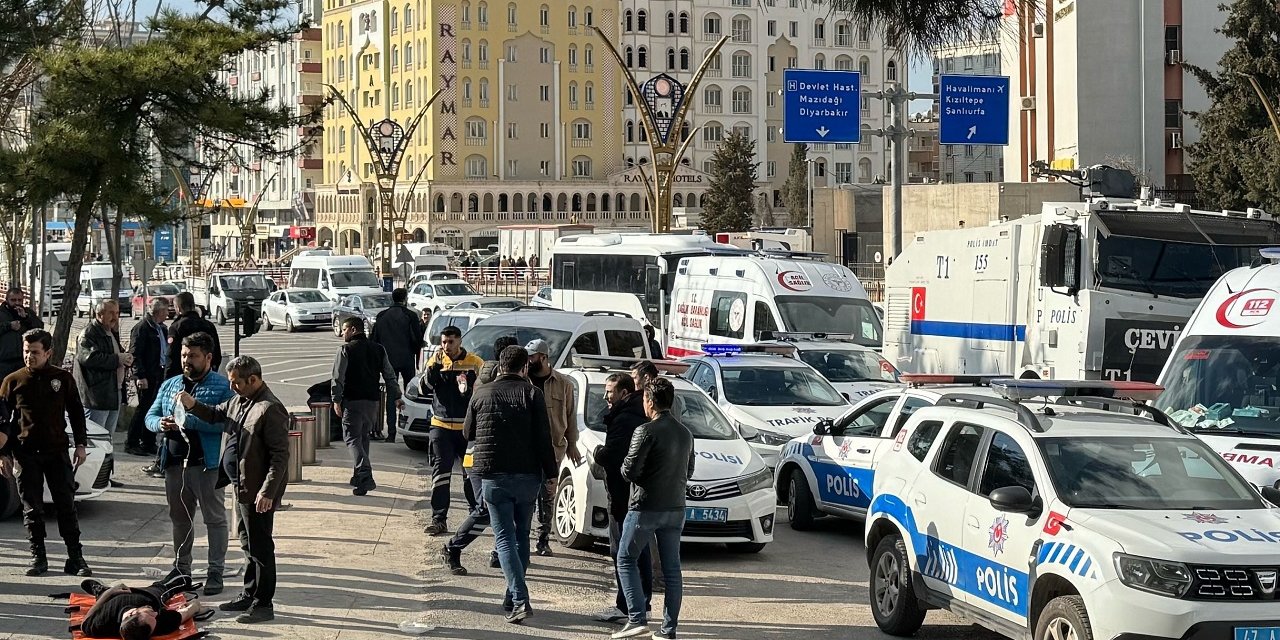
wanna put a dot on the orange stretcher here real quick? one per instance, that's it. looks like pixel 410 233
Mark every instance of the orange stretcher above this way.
pixel 82 602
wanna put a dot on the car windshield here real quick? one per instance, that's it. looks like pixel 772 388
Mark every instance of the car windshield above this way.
pixel 850 366
pixel 455 289
pixel 500 304
pixel 164 289
pixel 778 387
pixel 353 278
pixel 376 301
pixel 307 296
pixel 180 286
pixel 1144 473
pixel 247 282
pixel 101 284
pixel 692 408
pixel 1224 384
pixel 479 340
pixel 829 314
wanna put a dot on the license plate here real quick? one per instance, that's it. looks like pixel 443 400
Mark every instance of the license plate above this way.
pixel 322 316
pixel 706 514
pixel 1257 633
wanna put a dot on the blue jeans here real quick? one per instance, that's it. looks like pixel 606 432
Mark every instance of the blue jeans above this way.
pixel 636 529
pixel 510 498
pixel 106 418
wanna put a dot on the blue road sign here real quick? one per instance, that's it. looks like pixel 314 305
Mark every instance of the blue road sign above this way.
pixel 163 243
pixel 974 110
pixel 821 106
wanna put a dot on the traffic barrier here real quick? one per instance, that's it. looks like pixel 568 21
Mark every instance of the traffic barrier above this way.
pixel 321 411
pixel 306 423
pixel 295 456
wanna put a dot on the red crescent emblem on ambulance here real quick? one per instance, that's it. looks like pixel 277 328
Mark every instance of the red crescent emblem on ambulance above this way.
pixel 1251 312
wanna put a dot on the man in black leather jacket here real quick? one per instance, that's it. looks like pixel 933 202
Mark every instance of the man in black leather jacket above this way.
pixel 659 465
pixel 400 331
pixel 15 319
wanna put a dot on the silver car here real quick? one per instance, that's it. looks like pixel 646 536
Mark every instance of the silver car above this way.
pixel 294 308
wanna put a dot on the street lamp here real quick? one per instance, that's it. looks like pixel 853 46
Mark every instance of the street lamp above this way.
pixel 386 141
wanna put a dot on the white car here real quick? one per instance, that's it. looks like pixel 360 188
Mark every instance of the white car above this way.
pixel 854 370
pixel 770 398
pixel 1080 520
pixel 542 298
pixel 425 276
pixel 729 500
pixel 500 303
pixel 441 295
pixel 295 308
pixel 92 479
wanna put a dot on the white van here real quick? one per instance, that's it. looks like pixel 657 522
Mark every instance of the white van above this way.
pixel 731 299
pixel 95 286
pixel 335 276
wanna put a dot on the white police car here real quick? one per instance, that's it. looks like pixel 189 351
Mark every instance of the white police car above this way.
pixel 854 370
pixel 770 396
pixel 729 500
pixel 1064 520
pixel 91 479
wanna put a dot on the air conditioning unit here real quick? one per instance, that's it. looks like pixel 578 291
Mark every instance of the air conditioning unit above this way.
pixel 1175 140
pixel 1038 30
pixel 1174 56
pixel 1028 103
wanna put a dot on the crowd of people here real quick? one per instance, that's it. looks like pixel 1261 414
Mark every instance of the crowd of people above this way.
pixel 209 431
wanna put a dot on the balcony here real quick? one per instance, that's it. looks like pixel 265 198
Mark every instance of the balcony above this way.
pixel 474 141
pixel 484 26
pixel 484 103
pixel 512 28
pixel 864 44
pixel 712 108
pixel 573 68
pixel 484 64
pixel 820 147
pixel 714 72
pixel 310 163
pixel 310 67
pixel 312 34
pixel 311 100
pixel 844 40
pixel 573 105
pixel 466 63
pixel 591 106
pixel 544 29
pixel 465 24
pixel 589 68
pixel 573 31
pixel 710 145
pixel 818 42
pixel 580 143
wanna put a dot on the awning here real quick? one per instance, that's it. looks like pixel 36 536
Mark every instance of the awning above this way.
pixel 1189 228
pixel 238 203
pixel 57 225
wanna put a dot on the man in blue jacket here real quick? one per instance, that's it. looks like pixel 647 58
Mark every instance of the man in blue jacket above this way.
pixel 191 455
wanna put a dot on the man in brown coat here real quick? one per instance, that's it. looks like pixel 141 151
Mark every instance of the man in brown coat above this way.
pixel 256 460
pixel 563 418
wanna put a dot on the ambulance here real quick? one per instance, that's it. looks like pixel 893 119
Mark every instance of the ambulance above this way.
pixel 732 299
pixel 1083 290
pixel 1223 379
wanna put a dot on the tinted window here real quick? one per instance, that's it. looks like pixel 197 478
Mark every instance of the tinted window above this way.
pixel 922 439
pixel 1166 268
pixel 909 407
pixel 763 319
pixel 305 278
pixel 613 273
pixel 455 289
pixel 377 301
pixel 479 340
pixel 869 421
pixel 829 314
pixel 1007 466
pixel 959 451
pixel 624 344
pixel 704 377
pixel 343 278
pixel 728 314
pixel 850 366
pixel 307 296
pixel 587 344
pixel 693 410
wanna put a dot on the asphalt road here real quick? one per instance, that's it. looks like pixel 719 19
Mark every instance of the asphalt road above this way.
pixel 356 567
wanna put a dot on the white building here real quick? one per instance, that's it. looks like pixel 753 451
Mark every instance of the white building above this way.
pixel 740 89
pixel 1097 82
pixel 968 162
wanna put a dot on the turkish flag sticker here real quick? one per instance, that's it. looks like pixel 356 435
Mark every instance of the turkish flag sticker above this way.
pixel 1053 524
pixel 917 303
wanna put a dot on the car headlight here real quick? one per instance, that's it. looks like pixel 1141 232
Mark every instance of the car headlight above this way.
pixel 303 312
pixel 762 479
pixel 414 390
pixel 764 436
pixel 1154 576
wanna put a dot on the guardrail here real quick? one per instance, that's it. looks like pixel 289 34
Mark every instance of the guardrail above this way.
pixel 516 282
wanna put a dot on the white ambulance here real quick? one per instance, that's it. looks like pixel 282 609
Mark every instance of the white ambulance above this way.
pixel 1223 379
pixel 1092 290
pixel 731 299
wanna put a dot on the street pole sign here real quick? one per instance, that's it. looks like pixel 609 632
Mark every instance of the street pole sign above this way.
pixel 973 110
pixel 820 106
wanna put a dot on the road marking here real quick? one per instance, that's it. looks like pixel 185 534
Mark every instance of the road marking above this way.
pixel 312 366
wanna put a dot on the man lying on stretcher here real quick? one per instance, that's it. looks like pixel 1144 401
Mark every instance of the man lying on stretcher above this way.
pixel 137 613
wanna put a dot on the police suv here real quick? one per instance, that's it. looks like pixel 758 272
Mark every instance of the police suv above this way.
pixel 1079 518
pixel 769 394
pixel 729 499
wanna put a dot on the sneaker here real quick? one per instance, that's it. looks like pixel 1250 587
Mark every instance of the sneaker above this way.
pixel 632 630
pixel 241 602
pixel 518 614
pixel 507 604
pixel 152 468
pixel 213 584
pixel 453 560
pixel 494 562
pixel 612 614
pixel 257 614
pixel 544 550
pixel 437 528
pixel 664 635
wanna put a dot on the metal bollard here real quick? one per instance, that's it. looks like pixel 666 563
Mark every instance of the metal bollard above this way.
pixel 295 456
pixel 322 412
pixel 382 407
pixel 306 423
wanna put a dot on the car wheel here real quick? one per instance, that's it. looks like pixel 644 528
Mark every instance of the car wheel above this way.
pixel 417 444
pixel 266 322
pixel 222 317
pixel 565 510
pixel 893 597
pixel 801 511
pixel 745 547
pixel 288 324
pixel 337 327
pixel 1064 618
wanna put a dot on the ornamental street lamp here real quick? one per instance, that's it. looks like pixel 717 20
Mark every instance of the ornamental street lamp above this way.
pixel 662 106
pixel 386 141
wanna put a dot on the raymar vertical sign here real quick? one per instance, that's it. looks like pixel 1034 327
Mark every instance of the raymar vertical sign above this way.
pixel 974 110
pixel 821 106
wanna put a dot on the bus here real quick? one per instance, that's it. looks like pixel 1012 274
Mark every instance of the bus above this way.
pixel 628 272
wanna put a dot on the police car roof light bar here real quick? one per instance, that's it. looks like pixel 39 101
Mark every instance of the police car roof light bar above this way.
pixel 925 379
pixel 1270 253
pixel 1019 390
pixel 614 363
pixel 1026 417
pixel 758 348
pixel 1115 404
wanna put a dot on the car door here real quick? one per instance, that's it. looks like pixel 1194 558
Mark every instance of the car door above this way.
pixel 278 306
pixel 935 504
pixel 843 469
pixel 704 377
pixel 1000 543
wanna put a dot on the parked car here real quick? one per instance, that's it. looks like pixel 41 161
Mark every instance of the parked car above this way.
pixel 92 479
pixel 441 295
pixel 542 298
pixel 141 301
pixel 363 306
pixel 294 308
pixel 501 303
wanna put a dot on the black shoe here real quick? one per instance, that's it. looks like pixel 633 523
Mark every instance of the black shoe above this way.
pixel 39 563
pixel 453 560
pixel 518 614
pixel 391 439
pixel 507 604
pixel 93 587
pixel 257 614
pixel 377 437
pixel 135 451
pixel 437 528
pixel 544 550
pixel 213 584
pixel 359 491
pixel 76 566
pixel 241 602
pixel 494 562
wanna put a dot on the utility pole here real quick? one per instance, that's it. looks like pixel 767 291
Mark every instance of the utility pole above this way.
pixel 897 134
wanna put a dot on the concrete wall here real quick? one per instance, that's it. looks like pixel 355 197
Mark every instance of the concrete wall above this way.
pixel 928 207
pixel 837 212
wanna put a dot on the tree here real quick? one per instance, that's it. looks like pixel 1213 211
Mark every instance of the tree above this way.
pixel 112 117
pixel 795 191
pixel 764 207
pixel 727 203
pixel 920 26
pixel 1236 162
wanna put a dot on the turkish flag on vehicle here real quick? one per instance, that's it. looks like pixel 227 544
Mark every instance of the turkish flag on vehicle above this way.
pixel 1010 8
pixel 917 303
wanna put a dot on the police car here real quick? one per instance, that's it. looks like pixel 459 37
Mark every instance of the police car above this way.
pixel 92 478
pixel 770 396
pixel 854 370
pixel 729 500
pixel 1081 518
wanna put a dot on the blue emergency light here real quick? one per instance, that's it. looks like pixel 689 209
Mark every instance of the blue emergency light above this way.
pixel 1020 390
pixel 1270 253
pixel 722 349
pixel 749 348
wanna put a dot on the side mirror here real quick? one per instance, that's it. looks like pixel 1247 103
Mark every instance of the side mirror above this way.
pixel 747 431
pixel 1060 257
pixel 823 427
pixel 1271 494
pixel 1015 499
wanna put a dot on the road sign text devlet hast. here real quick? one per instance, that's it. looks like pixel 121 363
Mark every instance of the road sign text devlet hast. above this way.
pixel 821 106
